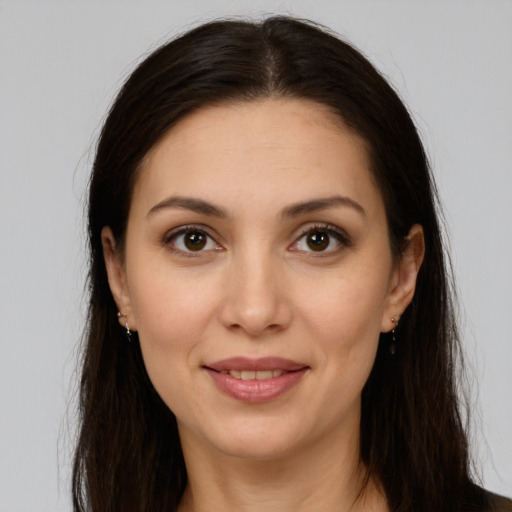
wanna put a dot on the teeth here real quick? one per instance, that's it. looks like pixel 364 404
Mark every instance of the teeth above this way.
pixel 264 375
pixel 252 375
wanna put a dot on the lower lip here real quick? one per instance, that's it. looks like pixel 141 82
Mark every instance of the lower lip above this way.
pixel 256 391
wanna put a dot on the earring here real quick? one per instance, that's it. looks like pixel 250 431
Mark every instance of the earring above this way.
pixel 392 346
pixel 128 334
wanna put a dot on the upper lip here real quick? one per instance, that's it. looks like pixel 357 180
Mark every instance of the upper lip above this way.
pixel 256 364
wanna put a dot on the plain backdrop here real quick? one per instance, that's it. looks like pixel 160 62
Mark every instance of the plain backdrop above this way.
pixel 60 65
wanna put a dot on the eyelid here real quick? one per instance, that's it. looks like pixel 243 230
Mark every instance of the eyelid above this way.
pixel 182 230
pixel 332 230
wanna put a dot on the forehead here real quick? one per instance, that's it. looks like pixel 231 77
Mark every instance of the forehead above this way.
pixel 267 121
pixel 291 149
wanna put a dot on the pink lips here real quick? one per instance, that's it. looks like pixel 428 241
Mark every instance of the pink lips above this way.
pixel 255 390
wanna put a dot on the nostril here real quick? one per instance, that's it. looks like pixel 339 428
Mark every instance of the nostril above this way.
pixel 254 305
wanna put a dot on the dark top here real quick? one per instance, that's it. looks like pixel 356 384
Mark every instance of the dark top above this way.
pixel 480 500
pixel 499 503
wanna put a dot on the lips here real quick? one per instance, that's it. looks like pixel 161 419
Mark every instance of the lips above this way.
pixel 256 380
pixel 260 364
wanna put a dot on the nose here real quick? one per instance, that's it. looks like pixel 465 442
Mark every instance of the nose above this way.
pixel 255 299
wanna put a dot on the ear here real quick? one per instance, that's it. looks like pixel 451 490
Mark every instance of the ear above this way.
pixel 403 281
pixel 117 278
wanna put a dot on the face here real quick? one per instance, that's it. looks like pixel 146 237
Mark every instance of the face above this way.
pixel 258 273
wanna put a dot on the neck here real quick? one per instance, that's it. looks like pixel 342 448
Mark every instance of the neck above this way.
pixel 316 479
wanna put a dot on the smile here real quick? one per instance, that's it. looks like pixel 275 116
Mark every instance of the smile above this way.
pixel 253 375
pixel 256 380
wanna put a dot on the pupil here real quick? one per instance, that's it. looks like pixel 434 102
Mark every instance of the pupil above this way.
pixel 195 241
pixel 318 241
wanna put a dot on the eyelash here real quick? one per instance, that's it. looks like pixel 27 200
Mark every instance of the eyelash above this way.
pixel 170 240
pixel 330 230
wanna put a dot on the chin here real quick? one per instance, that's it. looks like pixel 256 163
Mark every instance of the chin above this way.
pixel 257 448
pixel 249 439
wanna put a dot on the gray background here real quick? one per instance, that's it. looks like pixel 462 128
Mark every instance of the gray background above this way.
pixel 60 65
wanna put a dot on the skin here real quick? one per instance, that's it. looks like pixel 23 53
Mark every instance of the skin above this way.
pixel 258 288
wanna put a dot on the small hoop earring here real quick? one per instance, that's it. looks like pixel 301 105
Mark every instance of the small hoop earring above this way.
pixel 392 346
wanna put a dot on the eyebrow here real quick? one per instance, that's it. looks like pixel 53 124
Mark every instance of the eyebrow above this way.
pixel 206 208
pixel 189 203
pixel 315 205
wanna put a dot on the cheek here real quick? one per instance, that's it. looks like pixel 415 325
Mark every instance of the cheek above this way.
pixel 344 317
pixel 172 315
pixel 347 309
pixel 171 305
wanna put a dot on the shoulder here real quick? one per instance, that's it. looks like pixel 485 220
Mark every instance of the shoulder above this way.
pixel 480 500
pixel 498 503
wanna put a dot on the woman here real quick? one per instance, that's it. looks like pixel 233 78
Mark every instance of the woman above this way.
pixel 263 229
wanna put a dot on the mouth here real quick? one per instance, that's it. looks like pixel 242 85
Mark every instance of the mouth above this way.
pixel 256 380
pixel 258 365
pixel 253 375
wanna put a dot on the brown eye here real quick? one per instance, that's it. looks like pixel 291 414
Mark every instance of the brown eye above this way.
pixel 324 240
pixel 194 240
pixel 191 240
pixel 318 240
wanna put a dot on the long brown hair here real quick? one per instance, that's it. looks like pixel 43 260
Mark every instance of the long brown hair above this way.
pixel 413 439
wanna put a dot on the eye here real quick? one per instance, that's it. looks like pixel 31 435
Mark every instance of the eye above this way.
pixel 321 239
pixel 191 240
